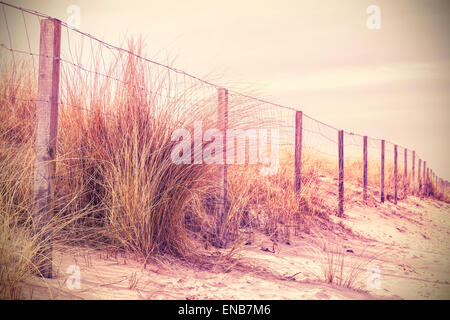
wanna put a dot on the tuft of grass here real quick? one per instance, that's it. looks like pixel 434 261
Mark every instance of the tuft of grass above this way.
pixel 117 187
pixel 116 184
pixel 340 266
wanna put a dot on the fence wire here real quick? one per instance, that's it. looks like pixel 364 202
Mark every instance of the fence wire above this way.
pixel 103 82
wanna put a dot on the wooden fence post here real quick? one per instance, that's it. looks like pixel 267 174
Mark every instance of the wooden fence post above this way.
pixel 419 191
pixel 436 182
pixel 382 171
pixel 395 174
pixel 424 176
pixel 46 132
pixel 405 180
pixel 221 203
pixel 341 171
pixel 413 169
pixel 433 180
pixel 298 150
pixel 430 182
pixel 365 167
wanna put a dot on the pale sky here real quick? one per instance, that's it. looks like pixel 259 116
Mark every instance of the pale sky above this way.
pixel 319 56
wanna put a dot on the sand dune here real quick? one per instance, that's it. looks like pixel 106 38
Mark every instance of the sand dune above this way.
pixel 408 244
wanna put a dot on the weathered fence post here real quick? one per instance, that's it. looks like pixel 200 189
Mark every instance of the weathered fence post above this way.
pixel 382 171
pixel 45 144
pixel 436 182
pixel 405 180
pixel 433 176
pixel 419 191
pixel 424 176
pixel 413 169
pixel 365 167
pixel 298 150
pixel 439 184
pixel 395 174
pixel 221 203
pixel 341 171
pixel 431 181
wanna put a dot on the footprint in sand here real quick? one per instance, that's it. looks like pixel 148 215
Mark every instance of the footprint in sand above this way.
pixel 322 295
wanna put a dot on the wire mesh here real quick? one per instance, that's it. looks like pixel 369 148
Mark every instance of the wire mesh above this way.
pixel 100 83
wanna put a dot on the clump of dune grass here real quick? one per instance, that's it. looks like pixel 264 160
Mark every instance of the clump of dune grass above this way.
pixel 116 184
pixel 17 247
pixel 21 248
pixel 269 203
pixel 121 153
pixel 353 177
pixel 339 265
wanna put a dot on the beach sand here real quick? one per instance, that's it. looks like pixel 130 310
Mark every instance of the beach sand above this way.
pixel 394 252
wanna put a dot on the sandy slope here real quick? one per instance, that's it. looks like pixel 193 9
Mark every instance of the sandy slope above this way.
pixel 408 244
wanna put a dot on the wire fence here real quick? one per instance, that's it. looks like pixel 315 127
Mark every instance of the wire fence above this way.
pixel 96 77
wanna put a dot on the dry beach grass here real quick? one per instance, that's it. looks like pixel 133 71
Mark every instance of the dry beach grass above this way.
pixel 119 193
